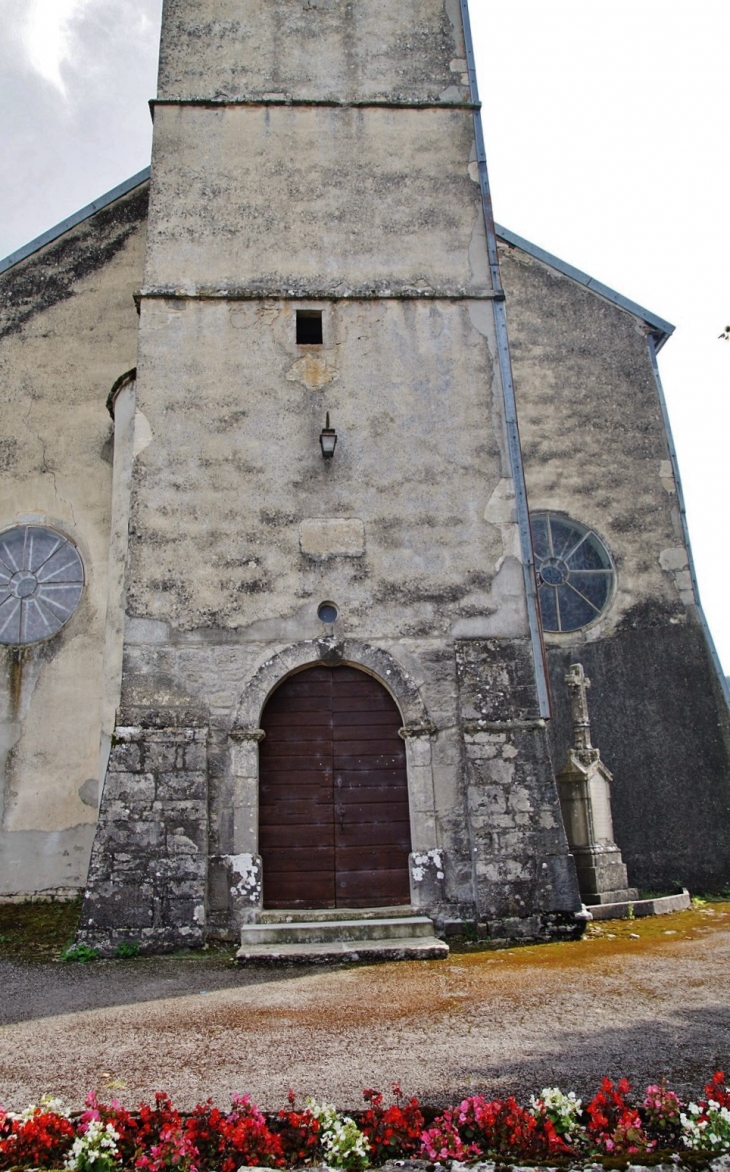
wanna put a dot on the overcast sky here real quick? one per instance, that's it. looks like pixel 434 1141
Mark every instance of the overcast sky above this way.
pixel 606 131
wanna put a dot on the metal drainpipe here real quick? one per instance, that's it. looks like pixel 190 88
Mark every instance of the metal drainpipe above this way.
pixel 651 341
pixel 508 392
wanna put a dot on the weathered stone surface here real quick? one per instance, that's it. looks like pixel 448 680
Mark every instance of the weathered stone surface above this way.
pixel 148 874
pixel 522 866
pixel 595 449
pixel 329 51
pixel 670 814
pixel 327 537
pixel 68 329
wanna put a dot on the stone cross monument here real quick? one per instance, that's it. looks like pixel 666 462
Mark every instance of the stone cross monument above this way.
pixel 585 799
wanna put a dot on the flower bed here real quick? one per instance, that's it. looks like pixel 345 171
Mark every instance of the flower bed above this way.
pixel 554 1128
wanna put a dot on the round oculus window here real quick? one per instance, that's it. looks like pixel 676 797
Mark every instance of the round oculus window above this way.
pixel 575 574
pixel 327 612
pixel 41 579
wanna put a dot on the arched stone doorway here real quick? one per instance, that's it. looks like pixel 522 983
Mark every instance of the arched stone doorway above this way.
pixel 334 826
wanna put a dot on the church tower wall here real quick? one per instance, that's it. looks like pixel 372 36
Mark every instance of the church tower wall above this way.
pixel 317 157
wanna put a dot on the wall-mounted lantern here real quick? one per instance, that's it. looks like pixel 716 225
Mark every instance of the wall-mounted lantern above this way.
pixel 328 439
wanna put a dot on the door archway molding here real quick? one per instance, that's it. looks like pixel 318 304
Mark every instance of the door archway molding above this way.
pixel 374 660
pixel 418 732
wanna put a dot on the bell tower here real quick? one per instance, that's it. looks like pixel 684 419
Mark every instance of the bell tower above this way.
pixel 328 468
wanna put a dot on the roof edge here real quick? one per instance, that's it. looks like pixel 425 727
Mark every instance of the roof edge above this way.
pixel 661 328
pixel 77 218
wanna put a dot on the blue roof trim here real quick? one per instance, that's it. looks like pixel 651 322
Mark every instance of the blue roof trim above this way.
pixel 663 328
pixel 77 218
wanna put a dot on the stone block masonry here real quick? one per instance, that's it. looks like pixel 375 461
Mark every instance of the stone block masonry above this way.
pixel 148 873
pixel 524 876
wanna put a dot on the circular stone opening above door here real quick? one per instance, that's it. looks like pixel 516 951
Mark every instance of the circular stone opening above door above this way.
pixel 41 579
pixel 575 573
pixel 327 612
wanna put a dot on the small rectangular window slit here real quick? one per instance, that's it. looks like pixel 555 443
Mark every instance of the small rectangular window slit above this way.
pixel 309 327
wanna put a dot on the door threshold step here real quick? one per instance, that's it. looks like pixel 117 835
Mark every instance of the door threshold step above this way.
pixel 325 931
pixel 352 951
pixel 325 914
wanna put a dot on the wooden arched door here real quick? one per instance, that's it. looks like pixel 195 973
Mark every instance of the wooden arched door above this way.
pixel 334 828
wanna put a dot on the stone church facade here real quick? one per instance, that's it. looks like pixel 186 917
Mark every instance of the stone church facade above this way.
pixel 242 671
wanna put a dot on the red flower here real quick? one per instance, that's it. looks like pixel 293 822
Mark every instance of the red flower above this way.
pixel 39 1142
pixel 392 1131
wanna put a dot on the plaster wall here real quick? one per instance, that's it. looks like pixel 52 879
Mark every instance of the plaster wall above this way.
pixel 232 490
pixel 595 449
pixel 313 49
pixel 593 437
pixel 280 199
pixel 67 330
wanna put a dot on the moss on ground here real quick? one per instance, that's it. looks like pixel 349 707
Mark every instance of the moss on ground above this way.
pixel 37 931
pixel 606 937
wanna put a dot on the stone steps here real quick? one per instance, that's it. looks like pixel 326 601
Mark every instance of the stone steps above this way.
pixel 326 931
pixel 660 906
pixel 318 937
pixel 316 915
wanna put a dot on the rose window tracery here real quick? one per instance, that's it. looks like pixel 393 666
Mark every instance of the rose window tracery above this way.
pixel 575 574
pixel 41 579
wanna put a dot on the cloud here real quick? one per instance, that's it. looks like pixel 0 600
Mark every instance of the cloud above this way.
pixel 47 37
pixel 75 76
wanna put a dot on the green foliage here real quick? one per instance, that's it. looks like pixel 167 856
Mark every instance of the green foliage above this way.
pixel 127 949
pixel 80 952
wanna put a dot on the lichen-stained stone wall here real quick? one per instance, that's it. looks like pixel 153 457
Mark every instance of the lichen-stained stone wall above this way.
pixel 149 868
pixel 301 199
pixel 593 437
pixel 233 483
pixel 524 878
pixel 68 329
pixel 323 50
pixel 595 449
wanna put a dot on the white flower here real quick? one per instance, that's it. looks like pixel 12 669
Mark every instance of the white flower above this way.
pixel 46 1105
pixel 344 1144
pixel 563 1110
pixel 95 1149
pixel 709 1134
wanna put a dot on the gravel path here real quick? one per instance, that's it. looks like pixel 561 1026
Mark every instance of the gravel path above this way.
pixel 514 1021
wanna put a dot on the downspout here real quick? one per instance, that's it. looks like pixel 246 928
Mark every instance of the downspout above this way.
pixel 508 392
pixel 653 348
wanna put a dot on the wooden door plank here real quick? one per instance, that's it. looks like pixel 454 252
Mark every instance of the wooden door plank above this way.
pixel 296 813
pixel 372 824
pixel 311 861
pixel 334 817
